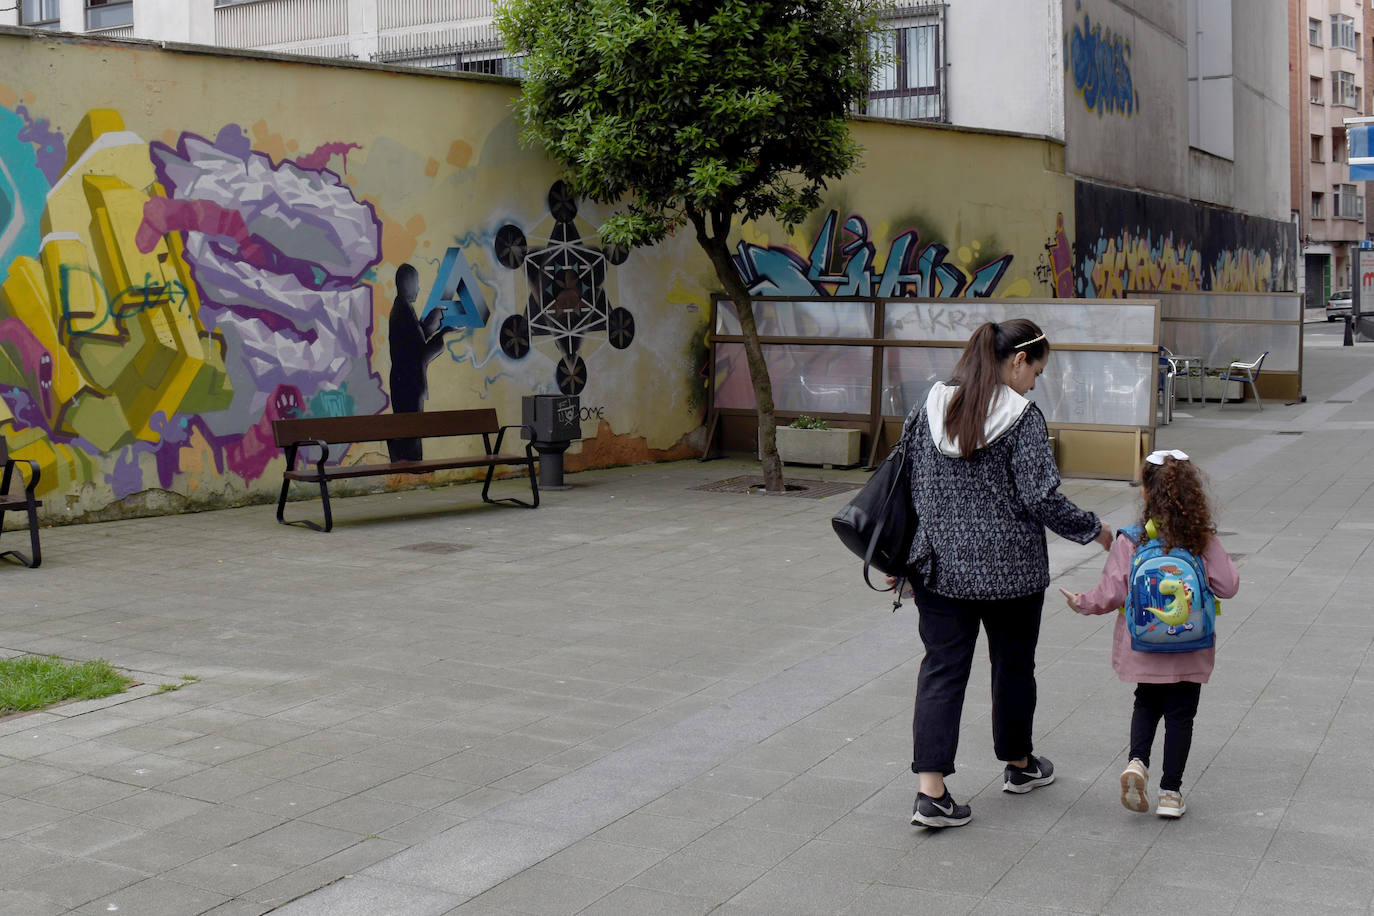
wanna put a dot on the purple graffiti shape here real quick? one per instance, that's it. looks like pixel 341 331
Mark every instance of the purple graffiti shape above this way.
pixel 50 146
pixel 319 158
pixel 162 215
pixel 35 360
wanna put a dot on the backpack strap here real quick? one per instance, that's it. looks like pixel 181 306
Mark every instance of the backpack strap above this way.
pixel 1135 532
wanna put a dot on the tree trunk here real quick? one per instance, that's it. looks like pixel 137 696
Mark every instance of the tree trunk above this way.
pixel 719 254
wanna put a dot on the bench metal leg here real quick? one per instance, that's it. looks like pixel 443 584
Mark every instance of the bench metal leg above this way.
pixel 35 558
pixel 534 489
pixel 306 523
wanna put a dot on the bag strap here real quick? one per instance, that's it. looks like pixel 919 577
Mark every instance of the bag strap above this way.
pixel 901 451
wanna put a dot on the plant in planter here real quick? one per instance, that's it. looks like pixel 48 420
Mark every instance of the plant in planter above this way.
pixel 808 440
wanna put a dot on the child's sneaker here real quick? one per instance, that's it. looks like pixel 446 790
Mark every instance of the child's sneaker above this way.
pixel 1133 780
pixel 939 812
pixel 1037 772
pixel 1170 804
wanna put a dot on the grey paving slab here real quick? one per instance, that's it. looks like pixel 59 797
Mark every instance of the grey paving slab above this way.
pixel 672 701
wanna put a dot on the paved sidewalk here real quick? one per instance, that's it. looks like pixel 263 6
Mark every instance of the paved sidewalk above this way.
pixel 644 698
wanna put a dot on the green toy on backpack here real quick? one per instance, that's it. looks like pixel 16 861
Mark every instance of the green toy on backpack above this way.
pixel 1169 607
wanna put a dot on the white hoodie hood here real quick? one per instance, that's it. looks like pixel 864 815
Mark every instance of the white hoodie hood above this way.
pixel 1007 407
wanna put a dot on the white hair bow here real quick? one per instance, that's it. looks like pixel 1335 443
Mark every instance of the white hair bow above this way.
pixel 1159 456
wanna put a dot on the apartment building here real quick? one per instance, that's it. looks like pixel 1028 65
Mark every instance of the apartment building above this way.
pixel 1327 86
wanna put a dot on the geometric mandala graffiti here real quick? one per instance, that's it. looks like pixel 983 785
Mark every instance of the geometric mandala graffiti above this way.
pixel 567 292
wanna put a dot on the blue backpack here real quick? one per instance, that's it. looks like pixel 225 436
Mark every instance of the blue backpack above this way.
pixel 1169 607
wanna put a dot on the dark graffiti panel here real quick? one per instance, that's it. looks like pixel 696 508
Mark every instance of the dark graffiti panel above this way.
pixel 1130 240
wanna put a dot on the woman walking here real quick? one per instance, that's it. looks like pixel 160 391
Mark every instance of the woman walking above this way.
pixel 985 487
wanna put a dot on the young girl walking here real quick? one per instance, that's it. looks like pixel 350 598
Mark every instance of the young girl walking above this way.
pixel 1168 684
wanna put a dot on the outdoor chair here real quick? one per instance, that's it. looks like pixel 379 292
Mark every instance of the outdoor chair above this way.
pixel 1165 385
pixel 1243 372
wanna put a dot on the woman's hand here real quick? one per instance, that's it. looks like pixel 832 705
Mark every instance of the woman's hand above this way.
pixel 1104 537
pixel 891 581
pixel 1071 597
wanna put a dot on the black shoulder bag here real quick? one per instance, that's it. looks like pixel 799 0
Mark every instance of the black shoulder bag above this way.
pixel 879 523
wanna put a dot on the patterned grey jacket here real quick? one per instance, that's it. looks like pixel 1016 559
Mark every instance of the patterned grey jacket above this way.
pixel 982 519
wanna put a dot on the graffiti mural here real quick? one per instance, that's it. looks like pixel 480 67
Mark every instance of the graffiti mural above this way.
pixel 1099 63
pixel 567 301
pixel 1127 240
pixel 172 293
pixel 908 270
pixel 176 276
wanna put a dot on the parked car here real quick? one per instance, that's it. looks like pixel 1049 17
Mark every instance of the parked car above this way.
pixel 1338 306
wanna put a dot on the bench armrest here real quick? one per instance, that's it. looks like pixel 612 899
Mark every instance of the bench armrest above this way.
pixel 317 443
pixel 501 434
pixel 30 484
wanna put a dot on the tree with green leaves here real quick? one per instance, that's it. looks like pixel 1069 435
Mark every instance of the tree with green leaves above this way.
pixel 696 113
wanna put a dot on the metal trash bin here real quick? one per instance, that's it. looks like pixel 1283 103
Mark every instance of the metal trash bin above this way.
pixel 555 420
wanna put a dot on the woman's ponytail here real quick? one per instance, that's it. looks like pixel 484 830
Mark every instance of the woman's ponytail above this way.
pixel 978 375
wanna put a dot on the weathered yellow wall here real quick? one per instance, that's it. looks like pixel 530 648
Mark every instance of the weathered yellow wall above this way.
pixel 194 243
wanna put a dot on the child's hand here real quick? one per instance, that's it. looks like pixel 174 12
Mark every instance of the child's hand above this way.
pixel 1071 597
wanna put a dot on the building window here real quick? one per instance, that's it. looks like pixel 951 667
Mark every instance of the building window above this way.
pixel 1314 32
pixel 40 14
pixel 109 14
pixel 1338 144
pixel 1348 203
pixel 1343 89
pixel 1314 90
pixel 1317 206
pixel 1343 32
pixel 909 82
pixel 1317 147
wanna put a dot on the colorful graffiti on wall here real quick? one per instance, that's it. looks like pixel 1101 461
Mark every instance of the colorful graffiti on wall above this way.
pixel 1127 240
pixel 157 298
pixel 845 267
pixel 1099 64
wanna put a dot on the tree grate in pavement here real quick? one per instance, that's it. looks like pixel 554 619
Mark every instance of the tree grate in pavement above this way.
pixel 796 486
pixel 435 547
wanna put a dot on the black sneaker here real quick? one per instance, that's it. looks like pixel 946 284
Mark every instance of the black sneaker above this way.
pixel 1037 772
pixel 939 812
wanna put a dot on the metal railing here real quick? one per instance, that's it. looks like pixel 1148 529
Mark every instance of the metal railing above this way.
pixel 470 57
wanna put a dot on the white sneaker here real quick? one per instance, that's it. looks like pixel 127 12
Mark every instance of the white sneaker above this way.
pixel 1170 804
pixel 1133 780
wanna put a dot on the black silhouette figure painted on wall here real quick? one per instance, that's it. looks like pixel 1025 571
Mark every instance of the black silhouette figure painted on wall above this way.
pixel 414 343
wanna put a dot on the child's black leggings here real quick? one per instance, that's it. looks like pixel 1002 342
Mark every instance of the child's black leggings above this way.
pixel 1177 705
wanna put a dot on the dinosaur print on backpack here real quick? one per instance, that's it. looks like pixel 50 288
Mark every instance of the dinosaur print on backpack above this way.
pixel 1169 607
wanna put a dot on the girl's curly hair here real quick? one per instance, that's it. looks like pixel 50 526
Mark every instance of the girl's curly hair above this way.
pixel 1176 498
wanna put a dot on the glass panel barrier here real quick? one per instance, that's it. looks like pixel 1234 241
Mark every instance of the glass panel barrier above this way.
pixel 801 319
pixel 806 378
pixel 1109 323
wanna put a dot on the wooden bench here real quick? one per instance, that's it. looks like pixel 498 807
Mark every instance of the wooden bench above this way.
pixel 27 502
pixel 292 435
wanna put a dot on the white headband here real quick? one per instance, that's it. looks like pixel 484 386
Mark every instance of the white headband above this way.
pixel 1159 456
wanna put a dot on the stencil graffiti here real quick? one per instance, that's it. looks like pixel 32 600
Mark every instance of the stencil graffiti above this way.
pixel 909 270
pixel 568 302
pixel 1099 61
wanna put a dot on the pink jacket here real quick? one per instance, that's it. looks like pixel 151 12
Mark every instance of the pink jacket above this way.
pixel 1155 667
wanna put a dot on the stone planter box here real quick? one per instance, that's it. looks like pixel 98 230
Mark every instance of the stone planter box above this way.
pixel 1212 389
pixel 826 447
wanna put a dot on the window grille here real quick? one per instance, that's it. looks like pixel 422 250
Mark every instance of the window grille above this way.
pixel 909 81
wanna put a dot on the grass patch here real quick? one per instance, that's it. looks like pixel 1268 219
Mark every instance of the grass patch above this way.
pixel 33 682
